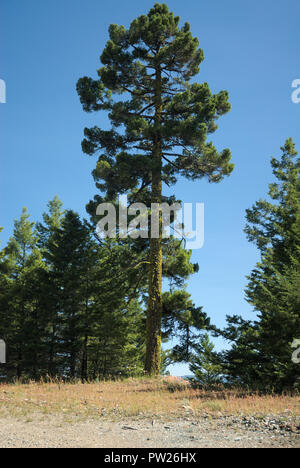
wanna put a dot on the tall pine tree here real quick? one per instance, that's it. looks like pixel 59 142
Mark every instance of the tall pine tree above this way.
pixel 160 125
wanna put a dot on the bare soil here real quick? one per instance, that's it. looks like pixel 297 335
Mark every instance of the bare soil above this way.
pixel 219 432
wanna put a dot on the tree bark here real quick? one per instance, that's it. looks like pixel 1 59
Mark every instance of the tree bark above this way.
pixel 154 312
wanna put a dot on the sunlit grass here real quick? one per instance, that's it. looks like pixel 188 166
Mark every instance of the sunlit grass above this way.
pixel 160 397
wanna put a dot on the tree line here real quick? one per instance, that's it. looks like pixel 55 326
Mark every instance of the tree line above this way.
pixel 75 305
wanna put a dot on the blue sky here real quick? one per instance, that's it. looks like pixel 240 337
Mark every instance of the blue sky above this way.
pixel 251 49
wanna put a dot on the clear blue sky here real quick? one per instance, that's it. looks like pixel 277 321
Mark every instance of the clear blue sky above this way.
pixel 251 49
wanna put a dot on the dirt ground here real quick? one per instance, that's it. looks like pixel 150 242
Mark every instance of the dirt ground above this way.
pixel 144 413
pixel 55 432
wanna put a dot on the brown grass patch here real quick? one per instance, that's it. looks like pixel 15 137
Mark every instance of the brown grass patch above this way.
pixel 160 397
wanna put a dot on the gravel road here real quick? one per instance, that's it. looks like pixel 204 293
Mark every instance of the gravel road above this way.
pixel 207 432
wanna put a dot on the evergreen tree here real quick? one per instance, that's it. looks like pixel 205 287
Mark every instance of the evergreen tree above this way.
pixel 262 351
pixel 67 269
pixel 206 365
pixel 51 222
pixel 183 321
pixel 60 314
pixel 163 121
pixel 47 231
pixel 97 327
pixel 22 322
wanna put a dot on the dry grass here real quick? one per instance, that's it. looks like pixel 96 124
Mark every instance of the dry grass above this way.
pixel 161 397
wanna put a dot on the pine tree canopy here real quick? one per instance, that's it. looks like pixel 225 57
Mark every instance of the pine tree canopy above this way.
pixel 150 66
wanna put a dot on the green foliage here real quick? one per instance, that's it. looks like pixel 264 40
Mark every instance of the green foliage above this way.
pixel 131 61
pixel 205 365
pixel 66 306
pixel 261 354
pixel 183 321
pixel 20 268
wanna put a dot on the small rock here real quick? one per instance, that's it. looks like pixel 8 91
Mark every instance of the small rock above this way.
pixel 129 428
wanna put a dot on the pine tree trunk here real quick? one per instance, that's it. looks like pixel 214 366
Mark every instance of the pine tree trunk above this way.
pixel 84 376
pixel 84 363
pixel 51 363
pixel 154 312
